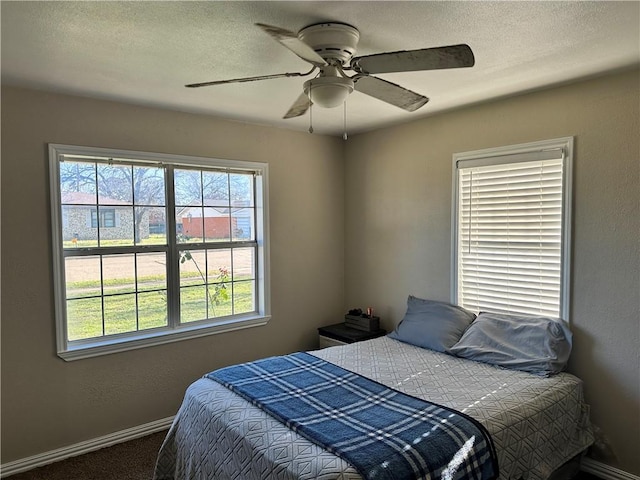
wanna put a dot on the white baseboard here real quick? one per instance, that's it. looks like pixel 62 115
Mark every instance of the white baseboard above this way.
pixel 52 456
pixel 588 465
pixel 605 471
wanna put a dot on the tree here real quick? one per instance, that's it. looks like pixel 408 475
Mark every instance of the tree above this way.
pixel 143 187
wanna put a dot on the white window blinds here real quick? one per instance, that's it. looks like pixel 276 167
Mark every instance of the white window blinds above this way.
pixel 509 233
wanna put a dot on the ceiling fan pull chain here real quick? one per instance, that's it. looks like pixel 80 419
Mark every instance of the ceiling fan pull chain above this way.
pixel 344 133
pixel 310 113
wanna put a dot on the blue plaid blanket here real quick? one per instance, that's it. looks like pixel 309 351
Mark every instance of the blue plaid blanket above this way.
pixel 383 433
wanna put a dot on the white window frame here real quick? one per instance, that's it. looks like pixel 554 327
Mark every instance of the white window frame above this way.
pixel 538 150
pixel 74 350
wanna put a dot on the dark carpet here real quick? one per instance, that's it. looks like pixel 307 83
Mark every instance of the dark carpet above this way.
pixel 134 460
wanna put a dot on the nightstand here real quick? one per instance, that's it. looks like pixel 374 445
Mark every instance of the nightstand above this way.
pixel 340 334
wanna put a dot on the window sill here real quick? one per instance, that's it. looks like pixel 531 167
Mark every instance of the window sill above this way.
pixel 149 339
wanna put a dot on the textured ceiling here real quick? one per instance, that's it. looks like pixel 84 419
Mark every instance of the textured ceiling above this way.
pixel 145 52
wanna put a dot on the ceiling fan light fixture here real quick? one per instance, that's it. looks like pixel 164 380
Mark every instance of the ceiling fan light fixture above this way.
pixel 328 92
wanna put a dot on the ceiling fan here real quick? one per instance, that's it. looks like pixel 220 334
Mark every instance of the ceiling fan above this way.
pixel 330 48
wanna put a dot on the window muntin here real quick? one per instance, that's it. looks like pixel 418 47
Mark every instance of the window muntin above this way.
pixel 123 279
pixel 511 229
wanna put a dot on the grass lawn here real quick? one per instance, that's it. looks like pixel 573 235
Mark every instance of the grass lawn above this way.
pixel 85 315
pixel 152 239
pixel 103 299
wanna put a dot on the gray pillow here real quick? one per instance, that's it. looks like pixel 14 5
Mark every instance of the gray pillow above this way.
pixel 431 324
pixel 538 345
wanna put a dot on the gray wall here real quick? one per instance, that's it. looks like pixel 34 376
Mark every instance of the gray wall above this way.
pixel 382 230
pixel 48 403
pixel 398 230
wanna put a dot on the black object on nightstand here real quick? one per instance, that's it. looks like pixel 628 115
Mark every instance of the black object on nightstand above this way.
pixel 340 334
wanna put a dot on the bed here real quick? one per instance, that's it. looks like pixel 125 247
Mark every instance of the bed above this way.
pixel 537 423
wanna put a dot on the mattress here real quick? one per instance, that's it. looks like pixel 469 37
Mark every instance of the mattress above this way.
pixel 536 423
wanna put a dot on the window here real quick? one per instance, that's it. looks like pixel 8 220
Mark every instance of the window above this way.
pixel 512 220
pixel 152 248
pixel 107 218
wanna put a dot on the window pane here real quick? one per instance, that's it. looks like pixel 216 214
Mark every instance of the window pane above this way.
pixel 189 224
pixel 82 276
pixel 220 300
pixel 119 274
pixel 243 263
pixel 115 226
pixel 152 271
pixel 241 190
pixel 149 195
pixel 77 226
pixel 115 186
pixel 215 189
pixel 84 318
pixel 243 297
pixel 243 221
pixel 193 265
pixel 157 225
pixel 149 186
pixel 220 283
pixel 78 183
pixel 142 234
pixel 152 309
pixel 120 314
pixel 188 187
pixel 217 224
pixel 193 303
pixel 218 265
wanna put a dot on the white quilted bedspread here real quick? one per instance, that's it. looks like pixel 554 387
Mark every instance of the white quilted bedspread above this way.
pixel 536 423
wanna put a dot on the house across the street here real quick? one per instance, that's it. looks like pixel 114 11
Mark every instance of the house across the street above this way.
pixel 83 213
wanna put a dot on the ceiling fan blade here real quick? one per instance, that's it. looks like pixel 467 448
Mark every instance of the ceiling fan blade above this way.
pixel 299 107
pixel 452 56
pixel 389 92
pixel 293 43
pixel 251 79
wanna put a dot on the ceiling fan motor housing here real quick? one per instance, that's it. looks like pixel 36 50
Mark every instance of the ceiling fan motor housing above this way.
pixel 332 41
